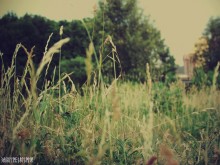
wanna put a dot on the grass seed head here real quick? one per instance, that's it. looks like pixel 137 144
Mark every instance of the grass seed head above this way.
pixel 148 76
pixel 61 30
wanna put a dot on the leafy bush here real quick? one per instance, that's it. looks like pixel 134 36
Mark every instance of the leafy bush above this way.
pixel 76 66
pixel 199 78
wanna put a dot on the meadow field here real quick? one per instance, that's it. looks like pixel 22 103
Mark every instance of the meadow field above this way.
pixel 120 122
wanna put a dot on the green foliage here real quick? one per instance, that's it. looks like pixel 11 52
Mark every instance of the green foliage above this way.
pixel 199 78
pixel 76 66
pixel 138 42
pixel 108 126
pixel 212 32
pixel 168 99
pixel 206 56
pixel 115 124
pixel 202 78
pixel 170 78
pixel 34 31
pixel 167 68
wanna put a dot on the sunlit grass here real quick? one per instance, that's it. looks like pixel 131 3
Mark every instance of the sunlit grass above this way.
pixel 120 123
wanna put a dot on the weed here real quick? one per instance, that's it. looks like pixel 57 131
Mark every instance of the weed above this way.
pixel 110 123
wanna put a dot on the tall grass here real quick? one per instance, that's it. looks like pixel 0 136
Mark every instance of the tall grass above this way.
pixel 120 123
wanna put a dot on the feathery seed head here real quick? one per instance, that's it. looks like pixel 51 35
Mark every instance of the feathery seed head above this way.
pixel 61 30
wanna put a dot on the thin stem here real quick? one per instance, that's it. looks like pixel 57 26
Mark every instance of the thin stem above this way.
pixel 61 33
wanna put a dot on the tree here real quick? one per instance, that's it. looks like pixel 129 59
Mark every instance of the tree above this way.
pixel 29 31
pixel 212 32
pixel 138 42
pixel 76 66
pixel 206 54
pixel 199 52
pixel 32 30
pixel 79 38
pixel 167 68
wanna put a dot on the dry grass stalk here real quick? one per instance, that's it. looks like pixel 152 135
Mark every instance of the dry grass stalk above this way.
pixel 148 76
pixel 115 103
pixel 31 69
pixel 147 131
pixel 88 62
pixel 101 147
pixel 32 100
pixel 60 53
pixel 216 72
pixel 147 126
pixel 61 30
pixel 45 53
pixel 47 57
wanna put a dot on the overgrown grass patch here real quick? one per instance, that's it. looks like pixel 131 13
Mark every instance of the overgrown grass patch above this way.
pixel 116 123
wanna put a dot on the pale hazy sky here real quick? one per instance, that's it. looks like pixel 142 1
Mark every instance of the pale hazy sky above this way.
pixel 181 22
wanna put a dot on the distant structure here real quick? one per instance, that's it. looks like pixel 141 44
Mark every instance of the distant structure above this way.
pixel 194 59
pixel 189 66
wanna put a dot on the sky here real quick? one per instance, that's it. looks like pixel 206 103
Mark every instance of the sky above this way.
pixel 181 22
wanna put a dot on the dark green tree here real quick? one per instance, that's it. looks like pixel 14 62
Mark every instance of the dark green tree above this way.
pixel 76 66
pixel 167 67
pixel 213 34
pixel 138 42
pixel 29 31
pixel 32 30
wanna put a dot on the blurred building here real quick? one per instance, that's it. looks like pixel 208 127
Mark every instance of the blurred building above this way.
pixel 187 74
pixel 188 65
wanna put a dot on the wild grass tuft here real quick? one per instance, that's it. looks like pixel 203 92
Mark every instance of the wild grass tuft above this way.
pixel 119 123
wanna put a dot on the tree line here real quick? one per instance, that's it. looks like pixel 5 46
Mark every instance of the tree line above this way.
pixel 118 26
pixel 206 55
